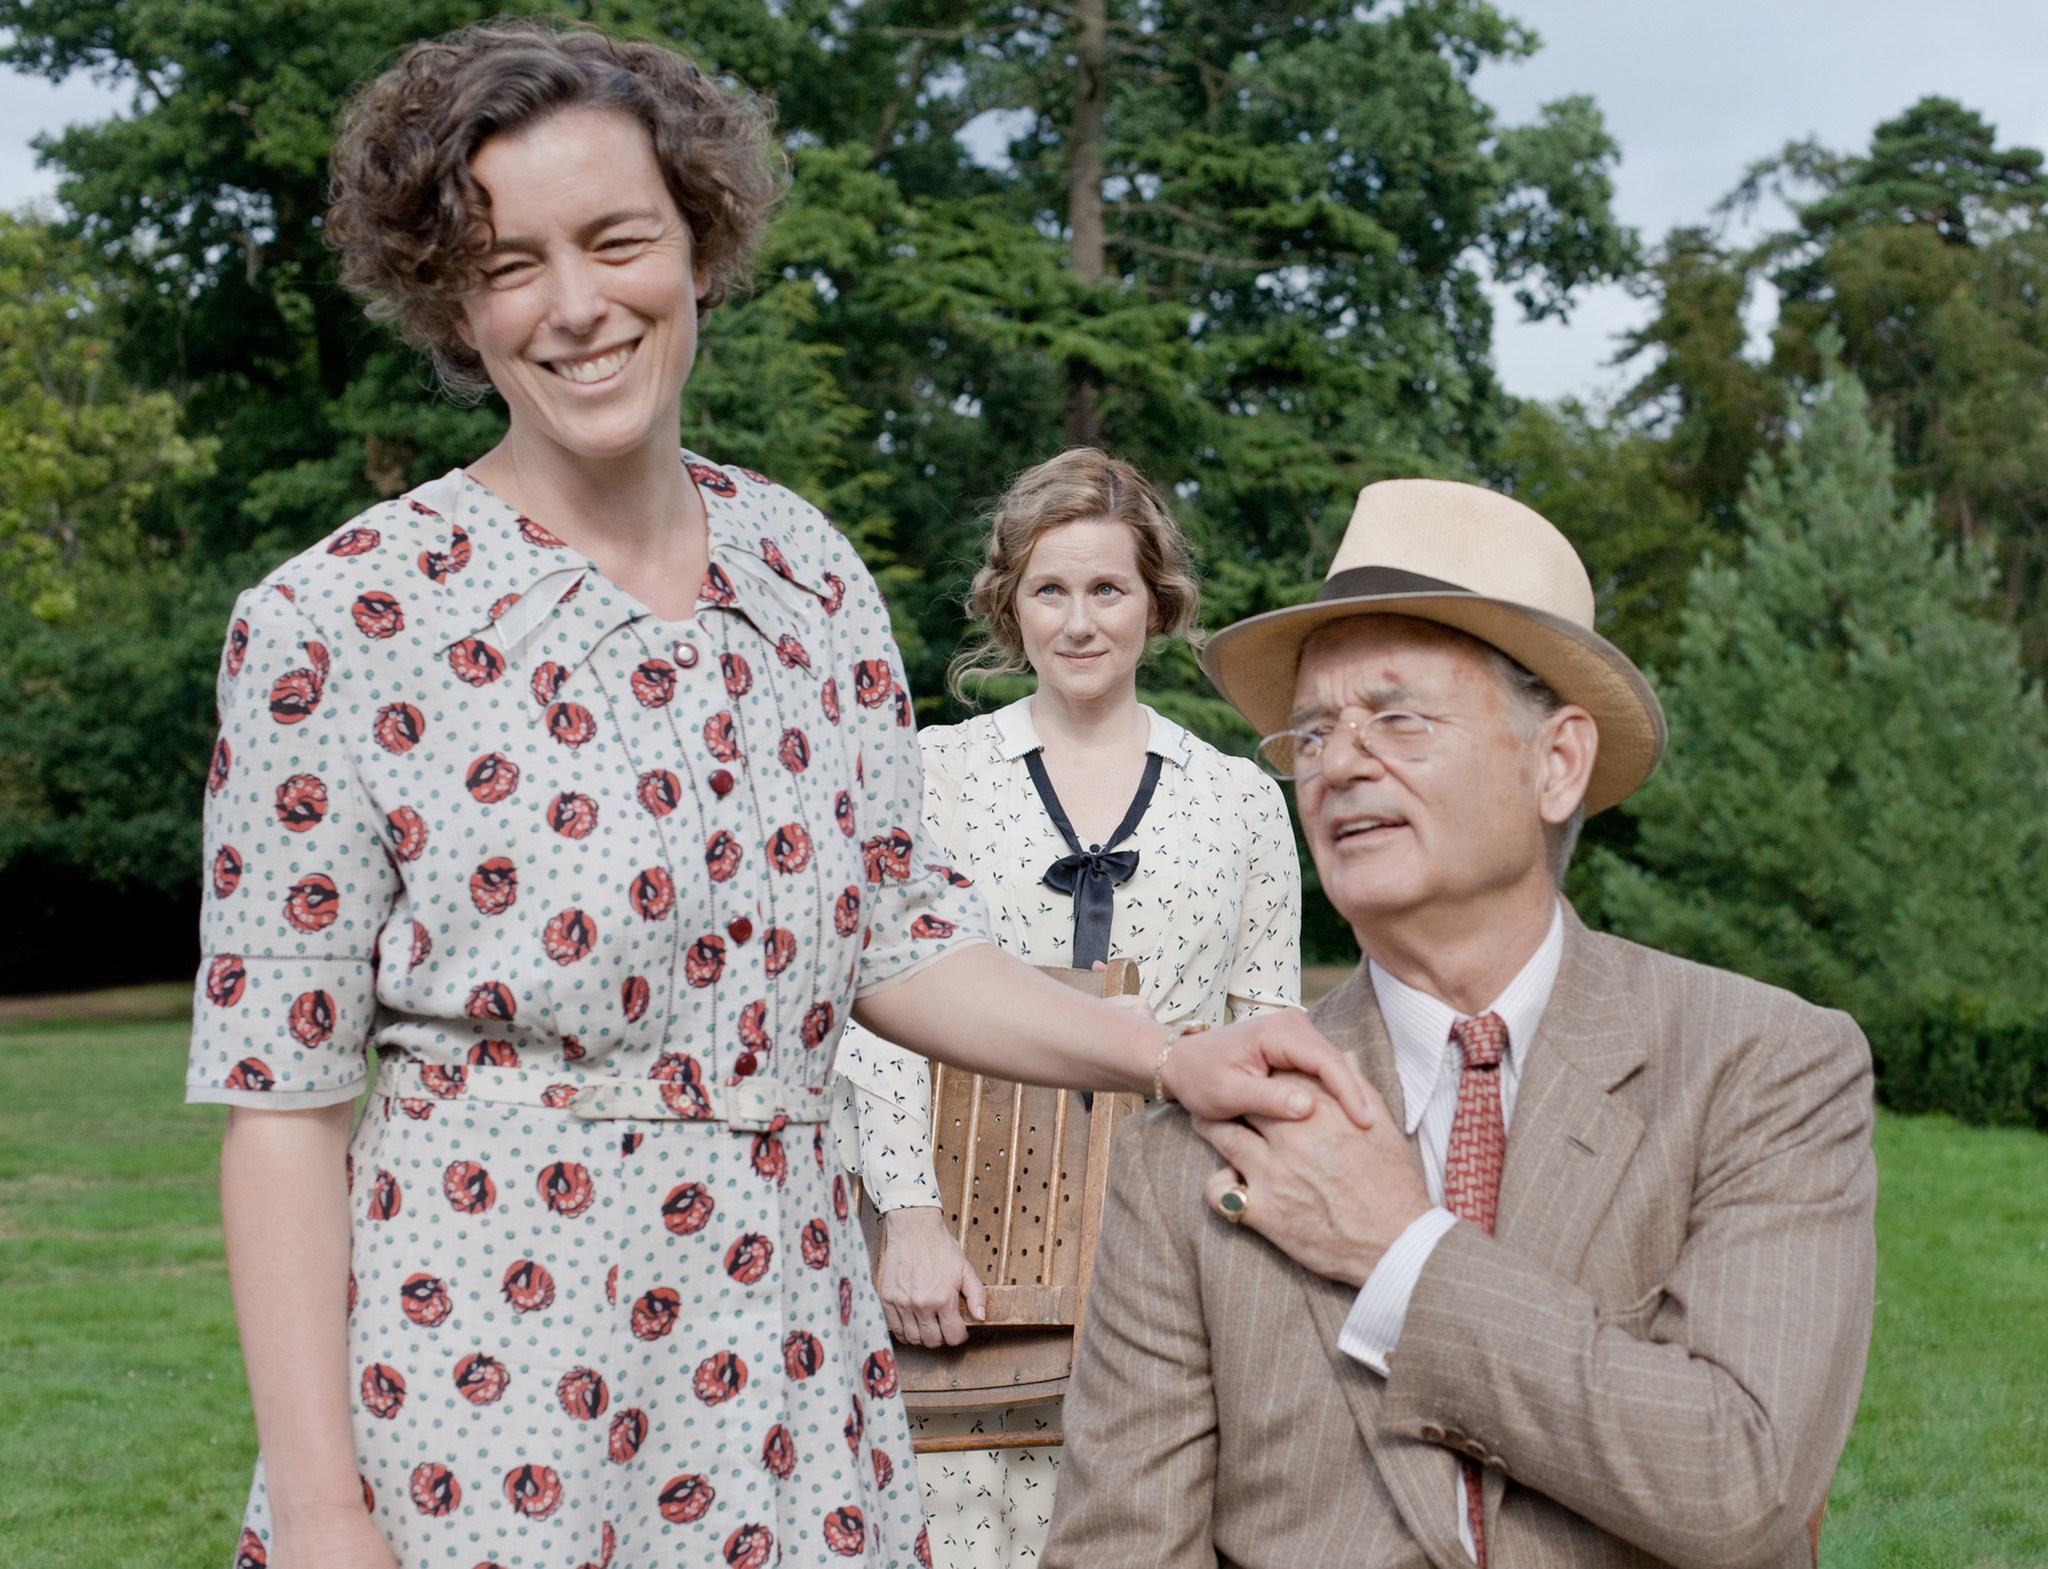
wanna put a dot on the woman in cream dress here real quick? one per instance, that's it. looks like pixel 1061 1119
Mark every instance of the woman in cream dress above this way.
pixel 1083 566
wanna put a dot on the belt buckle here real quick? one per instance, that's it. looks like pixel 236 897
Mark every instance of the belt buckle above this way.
pixel 751 1104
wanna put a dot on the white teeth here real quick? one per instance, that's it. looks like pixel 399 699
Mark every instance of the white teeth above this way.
pixel 586 371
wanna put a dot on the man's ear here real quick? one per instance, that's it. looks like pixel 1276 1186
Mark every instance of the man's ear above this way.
pixel 1571 743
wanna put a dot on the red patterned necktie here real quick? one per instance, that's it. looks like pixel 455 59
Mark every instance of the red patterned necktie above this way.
pixel 1479 1147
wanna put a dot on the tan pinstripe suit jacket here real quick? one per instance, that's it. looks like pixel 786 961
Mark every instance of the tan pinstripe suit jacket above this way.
pixel 1657 1355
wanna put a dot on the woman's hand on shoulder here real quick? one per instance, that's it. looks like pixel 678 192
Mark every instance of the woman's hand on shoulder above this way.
pixel 1238 1071
pixel 923 1277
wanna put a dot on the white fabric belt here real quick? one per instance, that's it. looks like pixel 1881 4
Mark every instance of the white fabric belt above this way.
pixel 757 1104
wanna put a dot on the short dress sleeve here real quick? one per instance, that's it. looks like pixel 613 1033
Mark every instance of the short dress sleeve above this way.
pixel 918 907
pixel 298 883
pixel 1265 966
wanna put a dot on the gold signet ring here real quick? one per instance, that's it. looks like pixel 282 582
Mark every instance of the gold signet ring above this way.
pixel 1233 1202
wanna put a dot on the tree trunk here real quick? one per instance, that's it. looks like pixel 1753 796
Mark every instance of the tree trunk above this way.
pixel 1084 200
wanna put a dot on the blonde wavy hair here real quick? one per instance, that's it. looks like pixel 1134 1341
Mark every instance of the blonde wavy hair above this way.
pixel 1081 485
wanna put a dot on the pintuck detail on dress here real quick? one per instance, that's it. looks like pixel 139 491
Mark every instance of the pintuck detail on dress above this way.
pixel 477 810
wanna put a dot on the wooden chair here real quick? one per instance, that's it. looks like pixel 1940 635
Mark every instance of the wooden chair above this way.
pixel 1022 1171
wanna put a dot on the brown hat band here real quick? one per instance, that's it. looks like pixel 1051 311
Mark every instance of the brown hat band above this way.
pixel 1362 582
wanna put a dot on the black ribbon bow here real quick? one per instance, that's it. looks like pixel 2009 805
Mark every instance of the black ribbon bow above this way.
pixel 1090 876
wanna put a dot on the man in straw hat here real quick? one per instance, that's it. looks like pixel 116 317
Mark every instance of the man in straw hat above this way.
pixel 1595 1286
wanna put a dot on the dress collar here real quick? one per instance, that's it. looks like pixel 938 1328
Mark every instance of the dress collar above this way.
pixel 1015 735
pixel 1419 1025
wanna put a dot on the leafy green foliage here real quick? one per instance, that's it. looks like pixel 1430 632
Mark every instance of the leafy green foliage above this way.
pixel 1976 1064
pixel 1855 801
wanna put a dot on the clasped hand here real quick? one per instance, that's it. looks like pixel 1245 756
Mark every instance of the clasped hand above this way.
pixel 1330 1191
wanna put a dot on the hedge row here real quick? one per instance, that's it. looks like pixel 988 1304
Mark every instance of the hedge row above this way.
pixel 1958 1056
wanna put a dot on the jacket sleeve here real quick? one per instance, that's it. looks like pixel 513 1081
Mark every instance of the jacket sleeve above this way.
pixel 1705 1425
pixel 1138 1479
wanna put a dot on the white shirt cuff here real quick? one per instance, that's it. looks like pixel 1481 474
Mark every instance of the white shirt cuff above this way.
pixel 1373 1326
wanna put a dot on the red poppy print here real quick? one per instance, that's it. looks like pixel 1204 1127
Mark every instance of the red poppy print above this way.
pixel 501 604
pixel 566 1188
pixel 295 697
pixel 238 647
pixel 528 1287
pixel 769 1159
pixel 930 927
pixel 778 1453
pixel 569 936
pixel 251 1073
pixel 546 683
pixel 470 1191
pixel 582 1394
pixel 794 751
pixel 748 1257
pixel 424 1300
pixel 441 565
pixel 704 961
pixel 718 1378
pixel 843 813
pixel 660 792
pixel 377 615
pixel 816 1242
pixel 533 1491
pixel 717 588
pixel 571 724
pixel 408 832
pixel 794 655
pixel 383 1391
pixel 778 949
pixel 749 1547
pixel 879 1373
pixel 398 728
pixel 250 1553
pixel 227 871
pixel 922 1547
pixel 845 1294
pixel 834 595
pixel 301 803
pixel 722 856
pixel 777 562
pixel 493 1054
pixel 481 1380
pixel 421 508
pixel 572 1049
pixel 311 1020
pixel 316 654
pixel 846 912
pixel 654 1315
pixel 491 778
pixel 887 856
pixel 285 589
pixel 418 1110
pixel 476 662
pixel 422 946
pixel 817 1025
pixel 217 770
pixel 446 1082
pixel 634 995
pixel 738 674
pixel 688 1209
pixel 494 886
pixel 492 1000
pixel 872 683
pixel 313 903
pixel 628 1433
pixel 839 1199
pixel 802 1354
pixel 846 1533
pixel 721 738
pixel 856 1426
pixel 754 1025
pixel 652 894
pixel 947 872
pixel 682 1084
pixel 717 481
pixel 789 849
pixel 654 683
pixel 885 1468
pixel 685 1498
pixel 225 979
pixel 572 816
pixel 386 1197
pixel 534 534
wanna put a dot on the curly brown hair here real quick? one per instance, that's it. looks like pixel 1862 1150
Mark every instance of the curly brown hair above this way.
pixel 1081 485
pixel 410 221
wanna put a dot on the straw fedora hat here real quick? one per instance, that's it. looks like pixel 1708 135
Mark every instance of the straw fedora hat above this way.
pixel 1480 562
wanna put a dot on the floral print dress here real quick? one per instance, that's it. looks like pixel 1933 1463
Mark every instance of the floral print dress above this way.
pixel 594 894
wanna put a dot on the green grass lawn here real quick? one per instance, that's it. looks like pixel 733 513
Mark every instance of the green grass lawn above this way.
pixel 124 1428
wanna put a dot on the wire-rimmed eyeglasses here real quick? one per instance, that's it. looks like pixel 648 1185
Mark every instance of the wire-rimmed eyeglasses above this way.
pixel 1393 736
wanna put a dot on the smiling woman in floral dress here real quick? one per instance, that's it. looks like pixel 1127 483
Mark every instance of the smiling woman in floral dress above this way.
pixel 579 786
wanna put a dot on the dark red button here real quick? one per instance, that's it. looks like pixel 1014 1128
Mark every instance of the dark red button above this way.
pixel 745 1063
pixel 686 655
pixel 721 781
pixel 739 928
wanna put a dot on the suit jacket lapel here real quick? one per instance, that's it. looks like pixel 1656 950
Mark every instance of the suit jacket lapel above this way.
pixel 1571 1141
pixel 1421 1477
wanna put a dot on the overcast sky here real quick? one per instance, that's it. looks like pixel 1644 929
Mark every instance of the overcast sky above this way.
pixel 1693 91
